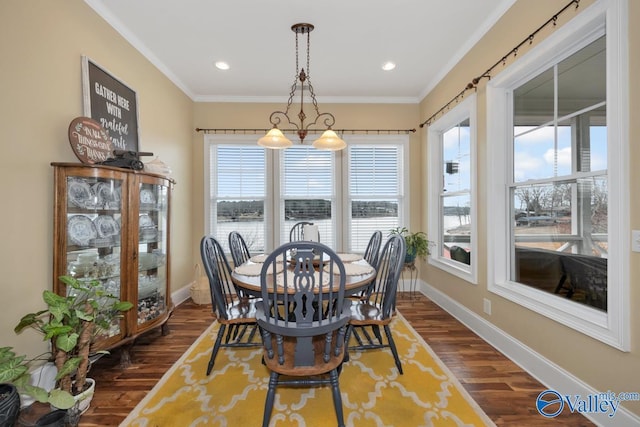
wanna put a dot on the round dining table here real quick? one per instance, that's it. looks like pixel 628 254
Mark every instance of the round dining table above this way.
pixel 359 274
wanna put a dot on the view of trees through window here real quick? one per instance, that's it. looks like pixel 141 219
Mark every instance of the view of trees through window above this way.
pixel 302 209
pixel 240 195
pixel 559 193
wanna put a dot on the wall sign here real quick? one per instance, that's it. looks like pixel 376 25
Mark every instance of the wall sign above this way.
pixel 112 104
pixel 89 141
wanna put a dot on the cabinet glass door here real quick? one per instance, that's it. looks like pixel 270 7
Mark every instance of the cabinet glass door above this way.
pixel 94 220
pixel 152 252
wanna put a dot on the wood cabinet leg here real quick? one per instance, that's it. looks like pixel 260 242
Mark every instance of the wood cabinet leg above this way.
pixel 165 326
pixel 125 356
pixel 165 329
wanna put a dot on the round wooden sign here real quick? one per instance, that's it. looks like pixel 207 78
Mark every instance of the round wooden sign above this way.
pixel 89 140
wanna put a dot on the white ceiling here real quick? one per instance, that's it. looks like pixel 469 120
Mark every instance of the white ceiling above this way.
pixel 351 41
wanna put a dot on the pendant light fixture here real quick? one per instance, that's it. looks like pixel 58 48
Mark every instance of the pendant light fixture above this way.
pixel 275 139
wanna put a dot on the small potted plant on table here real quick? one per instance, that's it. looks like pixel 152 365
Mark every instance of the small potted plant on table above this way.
pixel 72 323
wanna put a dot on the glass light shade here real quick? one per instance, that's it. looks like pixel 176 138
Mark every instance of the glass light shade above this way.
pixel 329 141
pixel 274 139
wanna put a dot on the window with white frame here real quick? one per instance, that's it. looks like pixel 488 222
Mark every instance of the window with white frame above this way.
pixel 375 197
pixel 263 193
pixel 237 193
pixel 559 175
pixel 308 190
pixel 452 160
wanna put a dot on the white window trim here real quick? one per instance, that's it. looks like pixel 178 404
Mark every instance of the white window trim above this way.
pixel 462 111
pixel 611 327
pixel 271 225
pixel 336 213
pixel 273 184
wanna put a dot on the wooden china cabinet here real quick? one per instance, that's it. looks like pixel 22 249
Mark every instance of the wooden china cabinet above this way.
pixel 112 225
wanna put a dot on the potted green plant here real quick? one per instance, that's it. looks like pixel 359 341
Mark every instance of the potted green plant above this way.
pixel 15 384
pixel 418 245
pixel 13 371
pixel 72 323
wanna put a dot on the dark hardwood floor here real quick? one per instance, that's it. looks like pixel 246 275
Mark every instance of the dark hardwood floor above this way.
pixel 505 392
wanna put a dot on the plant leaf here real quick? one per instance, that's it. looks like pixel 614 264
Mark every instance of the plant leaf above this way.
pixel 69 367
pixel 38 393
pixel 56 330
pixel 67 342
pixel 6 354
pixel 84 315
pixel 13 368
pixel 29 320
pixel 61 399
pixel 123 306
pixel 52 299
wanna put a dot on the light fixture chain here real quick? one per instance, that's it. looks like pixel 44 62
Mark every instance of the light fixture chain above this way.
pixel 308 54
pixel 297 66
pixel 311 92
pixel 314 102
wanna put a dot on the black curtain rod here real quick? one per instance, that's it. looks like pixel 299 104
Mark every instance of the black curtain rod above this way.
pixel 313 131
pixel 487 74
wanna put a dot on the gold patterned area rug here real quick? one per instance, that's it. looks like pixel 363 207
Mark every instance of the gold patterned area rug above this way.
pixel 373 392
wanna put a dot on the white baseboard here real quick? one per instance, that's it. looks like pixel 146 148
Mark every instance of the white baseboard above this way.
pixel 544 370
pixel 181 295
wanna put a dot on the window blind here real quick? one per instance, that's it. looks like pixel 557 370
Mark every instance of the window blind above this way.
pixel 375 193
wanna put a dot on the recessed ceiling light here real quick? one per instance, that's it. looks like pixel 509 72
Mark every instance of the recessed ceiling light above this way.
pixel 221 65
pixel 388 66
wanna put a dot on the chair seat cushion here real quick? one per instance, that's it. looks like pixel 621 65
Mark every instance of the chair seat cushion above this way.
pixel 364 312
pixel 242 310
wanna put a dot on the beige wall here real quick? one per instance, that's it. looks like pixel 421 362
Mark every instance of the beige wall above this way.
pixel 41 44
pixel 599 365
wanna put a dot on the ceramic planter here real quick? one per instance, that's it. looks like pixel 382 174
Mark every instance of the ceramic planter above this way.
pixel 52 419
pixel 409 259
pixel 9 405
pixel 84 398
pixel 83 401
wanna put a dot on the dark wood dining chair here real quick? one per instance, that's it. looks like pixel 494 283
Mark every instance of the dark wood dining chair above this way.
pixel 372 251
pixel 378 308
pixel 297 231
pixel 371 254
pixel 239 249
pixel 303 318
pixel 233 310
